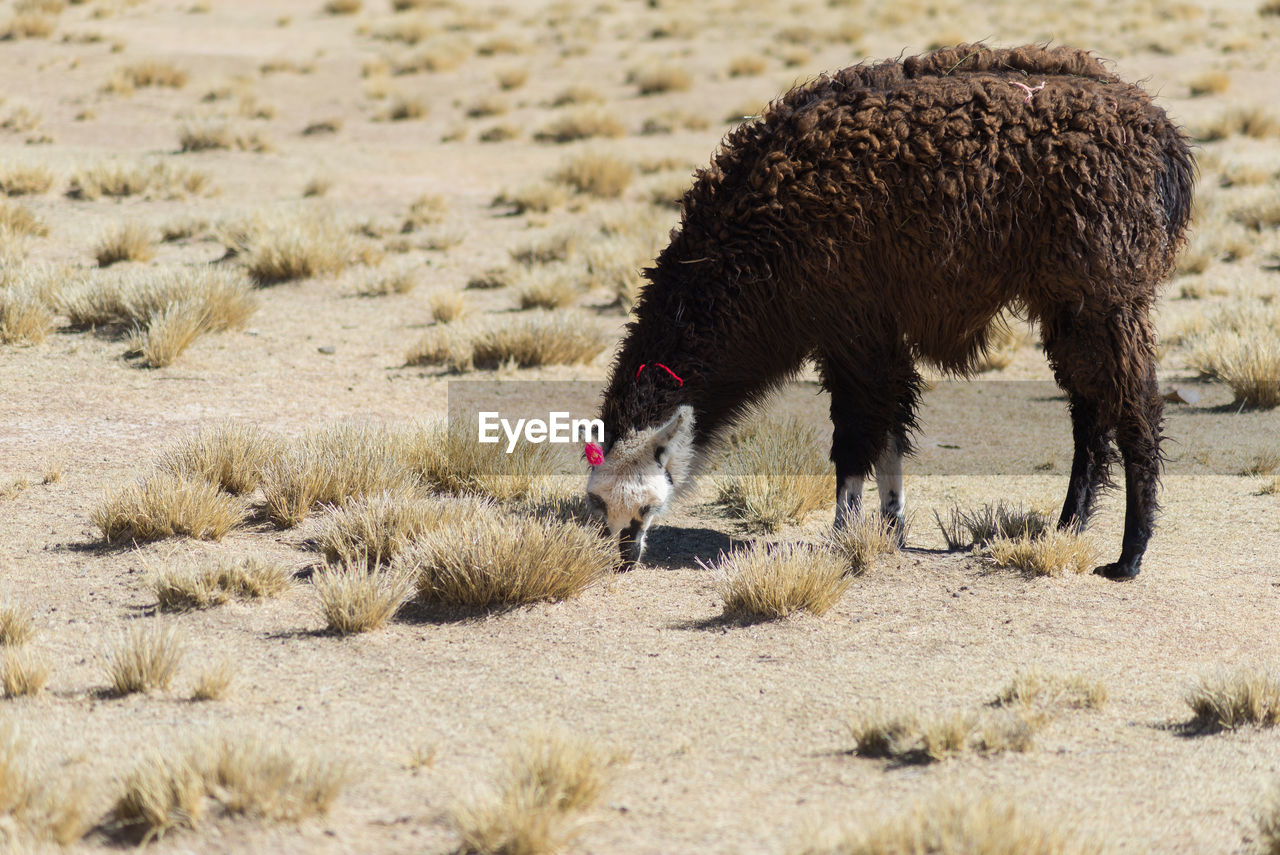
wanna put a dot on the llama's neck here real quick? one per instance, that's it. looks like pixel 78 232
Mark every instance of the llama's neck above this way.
pixel 720 358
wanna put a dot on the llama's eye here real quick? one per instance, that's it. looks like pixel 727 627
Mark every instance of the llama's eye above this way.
pixel 658 452
pixel 644 512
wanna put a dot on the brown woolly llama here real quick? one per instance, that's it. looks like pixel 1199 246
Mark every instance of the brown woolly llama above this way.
pixel 886 214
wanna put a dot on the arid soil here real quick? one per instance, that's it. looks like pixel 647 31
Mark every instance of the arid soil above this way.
pixel 736 733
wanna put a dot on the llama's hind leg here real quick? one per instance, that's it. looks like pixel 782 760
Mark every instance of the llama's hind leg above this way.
pixel 1107 366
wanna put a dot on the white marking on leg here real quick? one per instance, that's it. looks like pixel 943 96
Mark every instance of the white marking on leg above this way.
pixel 848 500
pixel 889 484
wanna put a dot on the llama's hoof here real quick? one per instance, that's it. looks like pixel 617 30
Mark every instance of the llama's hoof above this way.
pixel 1118 570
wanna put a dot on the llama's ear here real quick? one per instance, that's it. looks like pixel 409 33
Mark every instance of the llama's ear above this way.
pixel 678 430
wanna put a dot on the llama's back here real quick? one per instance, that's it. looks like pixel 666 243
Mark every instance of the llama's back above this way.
pixel 961 165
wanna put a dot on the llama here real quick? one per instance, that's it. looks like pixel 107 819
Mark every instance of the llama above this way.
pixel 883 215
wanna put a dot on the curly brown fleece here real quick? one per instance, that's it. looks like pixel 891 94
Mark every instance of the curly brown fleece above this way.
pixel 887 213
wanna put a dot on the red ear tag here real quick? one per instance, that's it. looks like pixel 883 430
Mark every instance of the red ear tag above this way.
pixel 595 455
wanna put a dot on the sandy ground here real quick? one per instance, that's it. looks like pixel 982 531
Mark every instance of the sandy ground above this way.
pixel 736 734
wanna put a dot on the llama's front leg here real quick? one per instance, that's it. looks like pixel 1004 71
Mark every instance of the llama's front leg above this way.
pixel 889 483
pixel 848 498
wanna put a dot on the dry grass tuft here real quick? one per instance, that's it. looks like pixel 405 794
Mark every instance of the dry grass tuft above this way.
pixel 988 827
pixel 546 288
pixel 24 674
pixel 17 625
pixel 145 657
pixel 343 7
pixel 183 588
pixel 214 682
pixel 660 79
pixel 25 180
pixel 33 812
pixel 127 242
pixel 581 124
pixel 378 527
pixel 1231 699
pixel 511 78
pixel 747 66
pixel 231 455
pixel 597 174
pixel 448 306
pixel 1033 689
pixel 328 465
pixel 533 806
pixel 978 528
pixel 775 474
pixel 914 738
pixel 163 505
pixel 539 197
pixel 403 108
pixel 1054 553
pixel 249 776
pixel 542 339
pixel 153 73
pixel 1248 364
pixel 396 282
pixel 1209 83
pixel 443 346
pixel 28 25
pixel 448 459
pixel 296 249
pixel 18 220
pixel 220 136
pixel 25 316
pixel 1252 122
pixel 497 559
pixel 861 542
pixel 764 581
pixel 119 180
pixel 355 597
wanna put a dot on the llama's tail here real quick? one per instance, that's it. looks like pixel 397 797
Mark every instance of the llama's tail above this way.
pixel 1175 185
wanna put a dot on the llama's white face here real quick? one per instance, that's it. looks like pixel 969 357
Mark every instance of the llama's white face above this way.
pixel 639 477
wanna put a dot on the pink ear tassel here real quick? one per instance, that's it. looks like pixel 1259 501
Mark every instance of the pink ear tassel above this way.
pixel 595 454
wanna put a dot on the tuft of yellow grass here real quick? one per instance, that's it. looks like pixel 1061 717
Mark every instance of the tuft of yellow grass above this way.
pixel 18 220
pixel 1254 122
pixel 448 459
pixel 168 334
pixel 119 180
pixel 944 825
pixel 343 7
pixel 1209 83
pixel 445 346
pixel 231 455
pixel 214 682
pixel 535 803
pixel 153 72
pixel 330 464
pixel 25 316
pixel 1054 553
pixel 775 474
pixel 448 306
pixel 404 107
pixel 548 287
pixel 1034 689
pixel 127 242
pixel 1248 363
pixel 356 597
pixel 583 123
pixel 25 179
pixel 17 625
pixel 24 673
pixel 163 505
pixel 378 527
pixel 29 25
pixel 660 79
pixel 597 174
pixel 861 542
pixel 931 738
pixel 538 197
pixel 511 78
pixel 1227 700
pixel 144 657
pixel 541 339
pixel 284 251
pixel 966 529
pixel 182 587
pixel 747 65
pixel 250 775
pixel 497 559
pixel 764 581
pixel 220 136
pixel 35 812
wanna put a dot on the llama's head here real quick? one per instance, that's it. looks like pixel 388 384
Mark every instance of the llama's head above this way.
pixel 641 473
